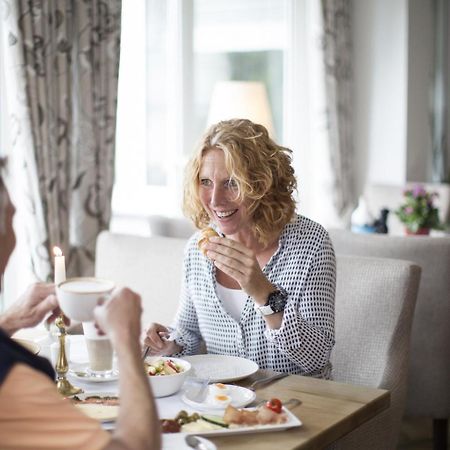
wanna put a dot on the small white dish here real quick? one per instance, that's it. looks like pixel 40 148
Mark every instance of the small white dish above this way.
pixel 81 372
pixel 239 396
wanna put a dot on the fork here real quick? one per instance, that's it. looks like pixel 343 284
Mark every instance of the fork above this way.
pixel 266 380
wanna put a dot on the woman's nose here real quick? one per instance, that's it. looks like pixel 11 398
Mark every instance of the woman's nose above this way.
pixel 216 196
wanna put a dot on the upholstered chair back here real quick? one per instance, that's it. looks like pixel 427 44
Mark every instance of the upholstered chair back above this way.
pixel 375 301
pixel 152 266
pixel 429 364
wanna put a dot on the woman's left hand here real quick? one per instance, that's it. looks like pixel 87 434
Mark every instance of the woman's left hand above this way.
pixel 240 263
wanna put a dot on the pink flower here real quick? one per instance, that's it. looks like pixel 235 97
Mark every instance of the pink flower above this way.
pixel 418 191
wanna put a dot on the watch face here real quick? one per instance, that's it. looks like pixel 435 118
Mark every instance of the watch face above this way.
pixel 277 300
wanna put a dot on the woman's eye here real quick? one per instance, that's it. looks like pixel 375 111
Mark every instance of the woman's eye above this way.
pixel 231 184
pixel 205 182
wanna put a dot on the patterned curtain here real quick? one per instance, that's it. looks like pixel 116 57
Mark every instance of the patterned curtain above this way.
pixel 61 70
pixel 337 56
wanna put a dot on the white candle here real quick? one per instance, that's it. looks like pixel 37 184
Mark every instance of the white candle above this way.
pixel 60 266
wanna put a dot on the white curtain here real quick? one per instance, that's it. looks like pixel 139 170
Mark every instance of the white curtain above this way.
pixel 61 69
pixel 330 181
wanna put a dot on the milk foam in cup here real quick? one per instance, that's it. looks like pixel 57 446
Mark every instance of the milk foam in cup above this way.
pixel 79 296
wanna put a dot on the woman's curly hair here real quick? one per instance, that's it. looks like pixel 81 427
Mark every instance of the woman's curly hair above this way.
pixel 261 169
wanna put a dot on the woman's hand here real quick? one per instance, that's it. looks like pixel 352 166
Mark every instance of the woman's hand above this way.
pixel 156 340
pixel 240 263
pixel 31 308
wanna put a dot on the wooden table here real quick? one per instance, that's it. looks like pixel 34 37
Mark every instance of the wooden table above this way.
pixel 329 410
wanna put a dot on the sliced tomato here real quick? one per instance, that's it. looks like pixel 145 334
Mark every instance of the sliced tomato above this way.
pixel 275 405
pixel 172 365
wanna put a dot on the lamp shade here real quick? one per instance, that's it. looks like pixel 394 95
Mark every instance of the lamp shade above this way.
pixel 240 100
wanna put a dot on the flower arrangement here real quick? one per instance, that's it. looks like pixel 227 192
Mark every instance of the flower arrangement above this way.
pixel 418 212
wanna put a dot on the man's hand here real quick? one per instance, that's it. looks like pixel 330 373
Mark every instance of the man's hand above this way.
pixel 31 308
pixel 120 316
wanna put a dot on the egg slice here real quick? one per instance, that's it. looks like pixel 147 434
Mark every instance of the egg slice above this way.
pixel 221 400
pixel 218 389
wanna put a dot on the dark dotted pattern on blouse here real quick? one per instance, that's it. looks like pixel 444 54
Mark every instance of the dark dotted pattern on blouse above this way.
pixel 304 265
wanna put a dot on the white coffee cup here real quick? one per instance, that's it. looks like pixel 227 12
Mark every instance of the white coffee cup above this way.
pixel 100 351
pixel 78 297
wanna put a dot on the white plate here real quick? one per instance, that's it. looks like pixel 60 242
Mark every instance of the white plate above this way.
pixel 80 371
pixel 240 397
pixel 292 422
pixel 171 441
pixel 102 413
pixel 221 368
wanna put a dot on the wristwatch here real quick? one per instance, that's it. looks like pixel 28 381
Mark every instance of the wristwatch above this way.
pixel 276 302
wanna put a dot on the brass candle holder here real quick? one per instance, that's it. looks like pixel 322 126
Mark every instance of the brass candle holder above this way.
pixel 62 366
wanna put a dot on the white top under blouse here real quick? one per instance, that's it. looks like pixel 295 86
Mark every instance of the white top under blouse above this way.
pixel 233 300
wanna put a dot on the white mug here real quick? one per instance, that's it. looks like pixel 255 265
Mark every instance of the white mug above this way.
pixel 78 297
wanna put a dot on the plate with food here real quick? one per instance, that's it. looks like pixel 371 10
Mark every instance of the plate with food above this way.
pixel 271 416
pixel 102 406
pixel 219 396
pixel 221 368
pixel 29 345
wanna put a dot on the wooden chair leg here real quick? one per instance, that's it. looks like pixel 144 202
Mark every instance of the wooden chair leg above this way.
pixel 440 434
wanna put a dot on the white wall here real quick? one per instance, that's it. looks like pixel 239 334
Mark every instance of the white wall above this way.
pixel 393 70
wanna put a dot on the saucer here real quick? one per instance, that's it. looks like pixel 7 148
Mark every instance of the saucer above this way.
pixel 240 397
pixel 82 372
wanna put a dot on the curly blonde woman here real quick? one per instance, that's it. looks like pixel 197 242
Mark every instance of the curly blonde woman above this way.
pixel 264 287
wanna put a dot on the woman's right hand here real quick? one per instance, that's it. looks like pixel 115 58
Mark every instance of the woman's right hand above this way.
pixel 156 340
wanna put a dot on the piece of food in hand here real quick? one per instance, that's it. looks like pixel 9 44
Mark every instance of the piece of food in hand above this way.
pixel 206 234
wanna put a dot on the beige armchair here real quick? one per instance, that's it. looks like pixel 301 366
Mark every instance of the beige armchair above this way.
pixel 375 301
pixel 378 196
pixel 429 364
pixel 152 266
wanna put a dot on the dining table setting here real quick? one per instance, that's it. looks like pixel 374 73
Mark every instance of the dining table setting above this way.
pixel 316 412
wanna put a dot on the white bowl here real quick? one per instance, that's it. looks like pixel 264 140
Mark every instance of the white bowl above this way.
pixel 165 385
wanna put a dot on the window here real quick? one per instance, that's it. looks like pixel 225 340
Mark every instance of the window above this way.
pixel 173 52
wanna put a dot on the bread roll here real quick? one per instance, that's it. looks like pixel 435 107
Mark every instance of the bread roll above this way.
pixel 206 234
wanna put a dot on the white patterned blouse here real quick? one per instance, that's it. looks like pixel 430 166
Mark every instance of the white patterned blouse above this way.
pixel 304 265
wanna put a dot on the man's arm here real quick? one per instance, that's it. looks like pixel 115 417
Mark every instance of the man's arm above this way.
pixel 137 426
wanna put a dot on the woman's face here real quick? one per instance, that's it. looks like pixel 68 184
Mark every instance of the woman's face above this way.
pixel 218 194
pixel 7 236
